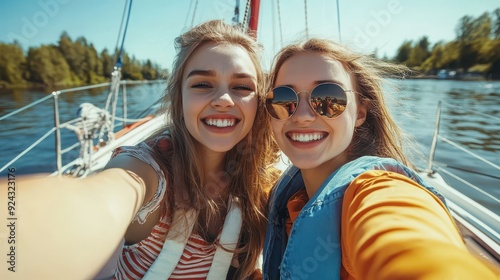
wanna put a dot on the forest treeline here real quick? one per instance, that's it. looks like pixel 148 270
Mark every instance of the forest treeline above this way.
pixel 475 49
pixel 68 63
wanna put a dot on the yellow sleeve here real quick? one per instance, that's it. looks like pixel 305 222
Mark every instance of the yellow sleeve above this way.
pixel 393 228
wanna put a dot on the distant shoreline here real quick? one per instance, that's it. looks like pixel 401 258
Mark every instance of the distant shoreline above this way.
pixel 434 77
pixel 4 86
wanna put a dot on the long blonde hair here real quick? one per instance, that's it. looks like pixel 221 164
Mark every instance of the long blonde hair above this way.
pixel 379 135
pixel 250 162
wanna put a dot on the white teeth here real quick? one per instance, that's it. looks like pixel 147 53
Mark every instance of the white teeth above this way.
pixel 306 137
pixel 220 122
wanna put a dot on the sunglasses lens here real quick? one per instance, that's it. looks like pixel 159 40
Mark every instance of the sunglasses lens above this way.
pixel 329 100
pixel 281 102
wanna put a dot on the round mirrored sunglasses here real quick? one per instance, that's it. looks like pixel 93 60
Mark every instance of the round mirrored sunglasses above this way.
pixel 328 100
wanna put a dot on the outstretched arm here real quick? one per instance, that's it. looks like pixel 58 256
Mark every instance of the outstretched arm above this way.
pixel 68 228
pixel 393 228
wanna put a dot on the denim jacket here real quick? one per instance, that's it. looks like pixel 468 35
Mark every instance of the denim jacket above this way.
pixel 313 251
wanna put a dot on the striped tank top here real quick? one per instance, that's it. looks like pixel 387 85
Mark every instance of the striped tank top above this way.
pixel 136 259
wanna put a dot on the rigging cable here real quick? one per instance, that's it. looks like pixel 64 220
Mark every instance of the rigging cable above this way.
pixel 116 76
pixel 194 12
pixel 440 164
pixel 279 24
pixel 443 170
pixel 187 16
pixel 119 62
pixel 305 11
pixel 120 32
pixel 273 9
pixel 338 20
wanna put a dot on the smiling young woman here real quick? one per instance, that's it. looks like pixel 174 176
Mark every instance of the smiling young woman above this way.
pixel 189 202
pixel 351 207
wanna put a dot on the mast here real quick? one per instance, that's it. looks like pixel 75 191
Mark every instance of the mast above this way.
pixel 254 17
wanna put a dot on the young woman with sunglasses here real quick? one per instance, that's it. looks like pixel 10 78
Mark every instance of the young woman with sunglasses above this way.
pixel 189 202
pixel 350 207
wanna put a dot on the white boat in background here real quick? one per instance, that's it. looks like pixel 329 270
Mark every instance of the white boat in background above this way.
pixel 98 137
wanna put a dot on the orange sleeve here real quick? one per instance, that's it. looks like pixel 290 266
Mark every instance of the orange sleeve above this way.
pixel 393 228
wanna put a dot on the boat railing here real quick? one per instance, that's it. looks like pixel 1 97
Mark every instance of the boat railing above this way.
pixel 58 126
pixel 468 212
pixel 432 165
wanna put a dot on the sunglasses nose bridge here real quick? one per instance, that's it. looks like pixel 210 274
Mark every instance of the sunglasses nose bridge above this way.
pixel 304 110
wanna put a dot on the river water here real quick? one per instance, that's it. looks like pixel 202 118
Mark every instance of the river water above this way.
pixel 470 118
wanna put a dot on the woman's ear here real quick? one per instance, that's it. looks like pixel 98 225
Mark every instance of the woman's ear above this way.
pixel 361 114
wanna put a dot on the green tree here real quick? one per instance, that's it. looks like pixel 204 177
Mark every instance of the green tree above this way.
pixel 12 64
pixel 107 63
pixel 464 28
pixel 496 24
pixel 149 72
pixel 404 51
pixel 451 56
pixel 481 27
pixel 74 57
pixel 131 68
pixel 478 32
pixel 417 57
pixel 94 72
pixel 489 51
pixel 443 56
pixel 423 44
pixel 418 53
pixel 47 66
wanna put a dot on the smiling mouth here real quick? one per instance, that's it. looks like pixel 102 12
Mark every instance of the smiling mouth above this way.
pixel 220 122
pixel 306 137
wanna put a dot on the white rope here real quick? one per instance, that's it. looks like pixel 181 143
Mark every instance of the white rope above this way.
pixel 26 107
pixel 70 148
pixel 111 101
pixel 469 152
pixel 28 149
pixel 113 115
pixel 94 122
pixel 127 120
pixel 469 184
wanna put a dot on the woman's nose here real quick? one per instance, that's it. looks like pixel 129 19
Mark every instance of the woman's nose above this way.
pixel 222 98
pixel 304 112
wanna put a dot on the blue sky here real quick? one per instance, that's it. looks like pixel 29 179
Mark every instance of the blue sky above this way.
pixel 365 25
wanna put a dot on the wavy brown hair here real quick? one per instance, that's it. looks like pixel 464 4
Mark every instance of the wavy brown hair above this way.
pixel 379 135
pixel 249 165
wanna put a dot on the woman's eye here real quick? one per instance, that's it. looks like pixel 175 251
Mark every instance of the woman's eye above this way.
pixel 201 85
pixel 243 87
